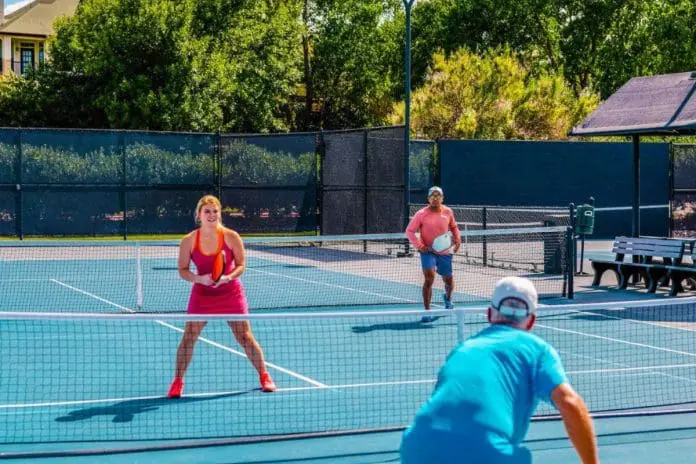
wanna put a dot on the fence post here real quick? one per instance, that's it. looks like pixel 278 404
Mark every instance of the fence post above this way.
pixel 670 199
pixel 19 231
pixel 124 179
pixel 320 150
pixel 365 189
pixel 217 164
pixel 436 164
pixel 484 241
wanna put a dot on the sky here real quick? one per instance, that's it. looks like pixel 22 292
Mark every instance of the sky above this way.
pixel 11 5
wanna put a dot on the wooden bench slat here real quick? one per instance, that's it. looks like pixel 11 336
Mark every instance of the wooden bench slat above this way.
pixel 651 245
pixel 667 254
pixel 677 246
pixel 650 250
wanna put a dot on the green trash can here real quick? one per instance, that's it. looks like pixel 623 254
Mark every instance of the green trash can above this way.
pixel 584 220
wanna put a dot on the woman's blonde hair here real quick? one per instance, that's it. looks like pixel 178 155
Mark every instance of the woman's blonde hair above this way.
pixel 207 200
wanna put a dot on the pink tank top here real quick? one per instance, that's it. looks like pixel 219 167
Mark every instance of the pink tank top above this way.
pixel 204 265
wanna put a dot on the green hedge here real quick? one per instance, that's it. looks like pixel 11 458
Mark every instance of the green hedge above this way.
pixel 421 166
pixel 247 164
pixel 147 164
pixel 48 164
pixel 8 157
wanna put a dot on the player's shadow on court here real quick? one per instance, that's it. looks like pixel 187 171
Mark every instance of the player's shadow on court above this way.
pixel 410 325
pixel 125 411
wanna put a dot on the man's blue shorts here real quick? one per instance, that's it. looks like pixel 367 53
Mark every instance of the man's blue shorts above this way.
pixel 443 263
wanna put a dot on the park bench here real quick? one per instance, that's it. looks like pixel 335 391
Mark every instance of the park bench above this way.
pixel 654 261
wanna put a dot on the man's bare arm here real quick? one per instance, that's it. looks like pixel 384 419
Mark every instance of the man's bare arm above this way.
pixel 577 421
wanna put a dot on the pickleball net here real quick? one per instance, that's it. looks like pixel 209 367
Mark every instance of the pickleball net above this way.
pixel 73 381
pixel 282 272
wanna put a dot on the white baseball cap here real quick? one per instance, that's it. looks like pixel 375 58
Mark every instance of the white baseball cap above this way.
pixel 518 288
pixel 434 189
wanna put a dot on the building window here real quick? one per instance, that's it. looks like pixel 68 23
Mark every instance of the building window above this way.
pixel 42 56
pixel 26 59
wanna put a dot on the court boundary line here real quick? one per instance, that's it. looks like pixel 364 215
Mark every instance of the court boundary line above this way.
pixel 617 340
pixel 629 319
pixel 351 289
pixel 626 367
pixel 618 370
pixel 611 339
pixel 314 388
pixel 203 339
pixel 316 282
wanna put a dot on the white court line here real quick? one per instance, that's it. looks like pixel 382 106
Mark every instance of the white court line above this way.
pixel 203 339
pixel 618 340
pixel 317 388
pixel 336 286
pixel 627 367
pixel 637 321
pixel 212 394
pixel 611 339
pixel 346 288
pixel 632 369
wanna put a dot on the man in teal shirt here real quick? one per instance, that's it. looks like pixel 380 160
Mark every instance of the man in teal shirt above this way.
pixel 489 387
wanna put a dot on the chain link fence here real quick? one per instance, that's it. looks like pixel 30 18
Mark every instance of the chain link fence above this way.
pixel 56 182
pixel 683 200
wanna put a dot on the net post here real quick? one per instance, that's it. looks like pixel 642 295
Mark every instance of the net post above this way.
pixel 461 323
pixel 572 244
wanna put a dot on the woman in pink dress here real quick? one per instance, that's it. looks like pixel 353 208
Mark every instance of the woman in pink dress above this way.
pixel 226 296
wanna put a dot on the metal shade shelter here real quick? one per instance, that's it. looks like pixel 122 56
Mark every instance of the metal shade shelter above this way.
pixel 648 105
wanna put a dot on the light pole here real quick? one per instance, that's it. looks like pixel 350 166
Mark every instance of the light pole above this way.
pixel 407 112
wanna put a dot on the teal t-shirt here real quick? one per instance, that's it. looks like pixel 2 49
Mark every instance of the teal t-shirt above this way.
pixel 484 399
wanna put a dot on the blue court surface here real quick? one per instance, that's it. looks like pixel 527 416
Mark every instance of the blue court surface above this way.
pixel 100 384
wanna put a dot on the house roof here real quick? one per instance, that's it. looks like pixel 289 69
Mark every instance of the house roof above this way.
pixel 36 17
pixel 653 105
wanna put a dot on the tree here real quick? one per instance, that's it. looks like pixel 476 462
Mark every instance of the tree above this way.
pixel 646 38
pixel 169 65
pixel 530 28
pixel 596 44
pixel 494 96
pixel 355 60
